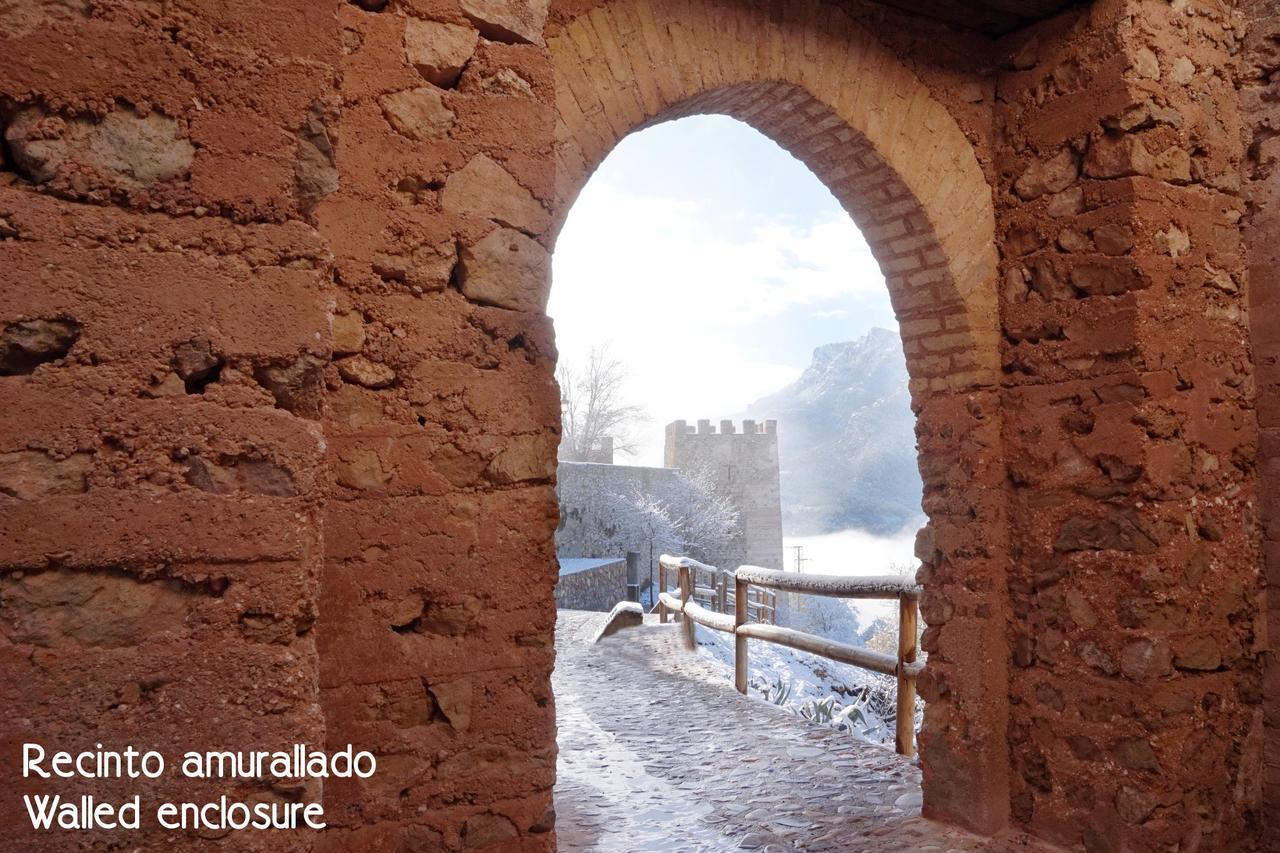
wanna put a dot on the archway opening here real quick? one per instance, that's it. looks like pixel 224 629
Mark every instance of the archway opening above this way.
pixel 735 390
pixel 899 164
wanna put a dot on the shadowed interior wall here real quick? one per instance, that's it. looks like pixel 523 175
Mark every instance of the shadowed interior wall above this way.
pixel 1259 83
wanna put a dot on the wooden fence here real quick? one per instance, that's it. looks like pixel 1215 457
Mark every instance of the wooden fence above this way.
pixel 744 624
pixel 716 590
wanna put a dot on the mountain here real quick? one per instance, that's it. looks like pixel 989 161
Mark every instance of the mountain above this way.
pixel 846 440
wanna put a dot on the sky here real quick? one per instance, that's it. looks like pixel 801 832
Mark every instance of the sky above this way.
pixel 710 262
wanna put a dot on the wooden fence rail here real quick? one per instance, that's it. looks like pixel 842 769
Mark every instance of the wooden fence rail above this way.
pixel 715 589
pixel 708 606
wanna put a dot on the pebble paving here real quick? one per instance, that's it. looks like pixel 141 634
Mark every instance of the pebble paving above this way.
pixel 659 753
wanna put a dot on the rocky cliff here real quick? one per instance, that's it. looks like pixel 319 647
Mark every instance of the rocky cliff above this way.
pixel 846 439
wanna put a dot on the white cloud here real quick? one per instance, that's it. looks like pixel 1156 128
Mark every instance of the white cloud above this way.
pixel 692 294
pixel 674 258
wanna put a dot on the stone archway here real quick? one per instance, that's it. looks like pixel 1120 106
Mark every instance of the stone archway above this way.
pixel 901 166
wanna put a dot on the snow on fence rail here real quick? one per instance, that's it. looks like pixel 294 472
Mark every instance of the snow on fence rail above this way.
pixel 904 665
pixel 832 586
pixel 721 595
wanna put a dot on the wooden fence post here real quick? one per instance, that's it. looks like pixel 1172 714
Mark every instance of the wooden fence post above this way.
pixel 662 587
pixel 723 605
pixel 686 595
pixel 739 641
pixel 904 735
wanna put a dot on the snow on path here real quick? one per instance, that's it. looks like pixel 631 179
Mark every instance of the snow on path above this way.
pixel 659 753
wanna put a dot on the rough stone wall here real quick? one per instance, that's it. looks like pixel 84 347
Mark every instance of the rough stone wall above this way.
pixel 1129 430
pixel 280 423
pixel 160 535
pixel 390 162
pixel 267 273
pixel 441 418
pixel 742 466
pixel 599 588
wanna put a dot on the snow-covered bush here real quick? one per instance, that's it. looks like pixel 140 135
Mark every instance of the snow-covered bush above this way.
pixel 705 520
pixel 848 698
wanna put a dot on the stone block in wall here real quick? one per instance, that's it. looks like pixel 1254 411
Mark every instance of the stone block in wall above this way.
pixel 509 20
pixel 123 151
pixel 439 51
pixel 483 188
pixel 507 270
pixel 418 113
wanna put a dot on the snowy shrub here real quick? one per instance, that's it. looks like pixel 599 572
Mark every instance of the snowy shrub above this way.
pixel 818 711
pixel 880 636
pixel 704 520
pixel 777 693
pixel 850 699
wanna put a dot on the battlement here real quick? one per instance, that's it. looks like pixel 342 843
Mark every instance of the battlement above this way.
pixel 727 427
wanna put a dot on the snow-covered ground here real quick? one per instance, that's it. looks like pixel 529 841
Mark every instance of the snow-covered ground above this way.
pixel 861 702
pixel 823 690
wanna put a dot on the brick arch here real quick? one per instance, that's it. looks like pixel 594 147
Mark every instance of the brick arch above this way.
pixel 819 85
pixel 845 106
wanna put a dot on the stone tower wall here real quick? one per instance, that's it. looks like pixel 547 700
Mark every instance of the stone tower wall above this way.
pixel 742 466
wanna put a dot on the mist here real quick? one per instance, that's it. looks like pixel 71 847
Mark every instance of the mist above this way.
pixel 856 552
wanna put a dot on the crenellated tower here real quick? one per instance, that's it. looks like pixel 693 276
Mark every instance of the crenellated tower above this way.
pixel 743 466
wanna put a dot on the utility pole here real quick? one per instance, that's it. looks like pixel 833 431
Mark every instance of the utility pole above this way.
pixel 800 559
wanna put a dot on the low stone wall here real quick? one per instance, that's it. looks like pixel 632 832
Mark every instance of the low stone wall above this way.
pixel 596 588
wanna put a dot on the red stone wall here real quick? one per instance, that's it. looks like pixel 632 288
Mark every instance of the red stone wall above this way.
pixel 160 514
pixel 442 420
pixel 279 417
pixel 1135 718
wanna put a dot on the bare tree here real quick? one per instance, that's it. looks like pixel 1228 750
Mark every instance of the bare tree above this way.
pixel 614 520
pixel 593 408
pixel 706 520
pixel 681 514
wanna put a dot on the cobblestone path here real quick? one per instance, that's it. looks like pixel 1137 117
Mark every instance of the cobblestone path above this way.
pixel 659 753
